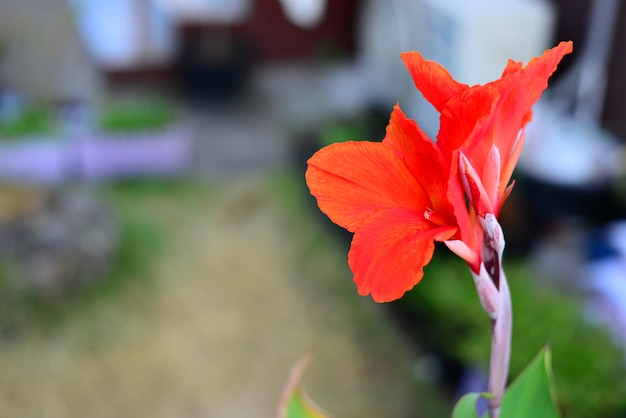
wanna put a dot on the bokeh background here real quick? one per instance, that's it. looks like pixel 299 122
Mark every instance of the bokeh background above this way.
pixel 160 254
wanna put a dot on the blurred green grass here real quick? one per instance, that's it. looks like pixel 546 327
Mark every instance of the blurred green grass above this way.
pixel 218 289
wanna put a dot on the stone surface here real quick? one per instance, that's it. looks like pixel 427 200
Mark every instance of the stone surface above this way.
pixel 54 241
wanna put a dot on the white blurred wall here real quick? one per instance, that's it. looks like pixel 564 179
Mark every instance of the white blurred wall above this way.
pixel 123 34
pixel 472 39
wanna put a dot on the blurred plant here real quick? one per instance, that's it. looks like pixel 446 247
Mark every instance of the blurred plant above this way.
pixel 364 125
pixel 401 195
pixel 294 402
pixel 33 120
pixel 342 131
pixel 138 115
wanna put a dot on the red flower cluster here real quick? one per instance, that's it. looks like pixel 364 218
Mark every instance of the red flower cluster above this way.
pixel 401 195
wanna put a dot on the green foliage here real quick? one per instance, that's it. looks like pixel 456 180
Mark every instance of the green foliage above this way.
pixel 344 131
pixel 135 116
pixel 298 408
pixel 530 395
pixel 466 406
pixel 294 402
pixel 589 367
pixel 34 120
pixel 369 125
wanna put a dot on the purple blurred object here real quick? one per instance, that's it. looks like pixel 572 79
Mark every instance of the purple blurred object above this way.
pixel 36 160
pixel 97 156
pixel 109 156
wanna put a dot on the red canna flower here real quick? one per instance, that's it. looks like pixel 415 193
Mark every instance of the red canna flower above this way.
pixel 401 195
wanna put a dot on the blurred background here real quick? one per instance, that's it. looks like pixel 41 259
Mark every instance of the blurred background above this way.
pixel 160 254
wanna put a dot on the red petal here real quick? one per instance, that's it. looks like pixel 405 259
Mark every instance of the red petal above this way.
pixel 474 188
pixel 404 135
pixel 466 117
pixel 389 252
pixel 434 81
pixel 520 91
pixel 511 67
pixel 422 157
pixel 469 230
pixel 354 180
pixel 507 172
pixel 471 257
pixel 491 175
pixel 495 114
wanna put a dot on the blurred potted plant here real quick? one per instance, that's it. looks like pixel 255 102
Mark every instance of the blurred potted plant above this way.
pixel 136 138
pixel 31 150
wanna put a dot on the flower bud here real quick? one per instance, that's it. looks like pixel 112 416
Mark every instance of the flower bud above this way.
pixel 473 186
pixel 493 232
pixel 488 294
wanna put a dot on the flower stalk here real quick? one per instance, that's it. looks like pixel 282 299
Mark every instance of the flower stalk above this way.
pixel 493 292
pixel 500 349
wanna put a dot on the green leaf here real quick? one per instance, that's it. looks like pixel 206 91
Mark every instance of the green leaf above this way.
pixel 466 406
pixel 300 407
pixel 530 395
pixel 294 403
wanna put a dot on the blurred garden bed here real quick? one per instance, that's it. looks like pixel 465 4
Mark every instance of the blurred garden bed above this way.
pixel 134 138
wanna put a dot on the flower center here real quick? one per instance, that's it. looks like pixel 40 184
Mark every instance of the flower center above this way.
pixel 435 217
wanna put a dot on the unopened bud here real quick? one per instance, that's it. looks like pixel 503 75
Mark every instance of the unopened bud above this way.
pixel 488 294
pixel 474 189
pixel 493 232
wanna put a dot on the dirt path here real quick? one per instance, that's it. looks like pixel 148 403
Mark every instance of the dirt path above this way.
pixel 239 294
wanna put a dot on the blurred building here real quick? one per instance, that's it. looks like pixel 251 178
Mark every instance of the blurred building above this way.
pixel 42 54
pixel 64 48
